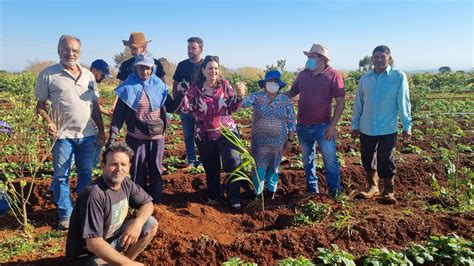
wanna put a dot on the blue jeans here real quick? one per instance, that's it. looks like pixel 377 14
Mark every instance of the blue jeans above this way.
pixel 187 122
pixel 94 260
pixel 150 222
pixel 97 152
pixel 63 149
pixel 308 136
pixel 4 206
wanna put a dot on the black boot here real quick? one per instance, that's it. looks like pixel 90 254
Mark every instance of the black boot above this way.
pixel 269 195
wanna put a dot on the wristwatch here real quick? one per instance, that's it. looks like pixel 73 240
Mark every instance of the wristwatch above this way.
pixel 290 140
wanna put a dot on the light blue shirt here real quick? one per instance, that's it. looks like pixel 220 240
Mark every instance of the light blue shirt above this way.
pixel 380 99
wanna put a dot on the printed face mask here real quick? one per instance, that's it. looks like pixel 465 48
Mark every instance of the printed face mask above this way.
pixel 272 87
pixel 311 64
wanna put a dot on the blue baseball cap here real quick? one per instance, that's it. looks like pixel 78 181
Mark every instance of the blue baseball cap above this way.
pixel 101 65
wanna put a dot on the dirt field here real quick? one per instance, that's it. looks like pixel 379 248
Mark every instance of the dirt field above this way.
pixel 192 232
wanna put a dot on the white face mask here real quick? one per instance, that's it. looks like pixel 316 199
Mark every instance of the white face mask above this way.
pixel 272 87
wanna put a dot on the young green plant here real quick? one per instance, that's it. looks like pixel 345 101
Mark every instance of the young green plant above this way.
pixel 247 165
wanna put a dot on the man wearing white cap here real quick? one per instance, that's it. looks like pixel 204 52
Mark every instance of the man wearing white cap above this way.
pixel 142 106
pixel 318 84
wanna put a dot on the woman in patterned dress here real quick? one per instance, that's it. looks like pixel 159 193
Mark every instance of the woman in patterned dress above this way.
pixel 273 130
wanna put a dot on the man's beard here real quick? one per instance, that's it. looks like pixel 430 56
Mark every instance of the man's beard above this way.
pixel 70 63
pixel 115 180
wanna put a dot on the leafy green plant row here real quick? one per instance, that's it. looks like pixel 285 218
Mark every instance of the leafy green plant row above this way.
pixel 23 83
pixel 451 249
pixel 17 245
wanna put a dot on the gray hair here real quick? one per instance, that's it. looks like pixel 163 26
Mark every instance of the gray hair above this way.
pixel 63 38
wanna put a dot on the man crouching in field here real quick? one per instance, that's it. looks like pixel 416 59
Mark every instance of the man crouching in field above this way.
pixel 99 228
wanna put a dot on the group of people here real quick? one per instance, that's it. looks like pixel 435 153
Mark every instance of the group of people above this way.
pixel 99 225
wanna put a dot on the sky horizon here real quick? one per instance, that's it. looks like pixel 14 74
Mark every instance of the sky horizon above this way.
pixel 422 34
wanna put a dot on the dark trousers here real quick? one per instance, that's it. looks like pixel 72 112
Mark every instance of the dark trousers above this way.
pixel 147 164
pixel 377 153
pixel 211 153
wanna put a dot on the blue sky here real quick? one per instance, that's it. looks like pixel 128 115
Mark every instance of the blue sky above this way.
pixel 424 34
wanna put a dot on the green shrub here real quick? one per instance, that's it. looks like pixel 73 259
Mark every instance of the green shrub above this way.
pixel 335 256
pixel 379 257
pixel 20 84
pixel 452 248
pixel 235 261
pixel 300 261
pixel 312 212
pixel 420 254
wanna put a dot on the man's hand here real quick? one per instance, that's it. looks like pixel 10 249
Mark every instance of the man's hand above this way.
pixel 100 139
pixel 406 135
pixel 105 251
pixel 241 88
pixel 131 234
pixel 52 130
pixel 330 132
pixel 355 133
pixel 181 89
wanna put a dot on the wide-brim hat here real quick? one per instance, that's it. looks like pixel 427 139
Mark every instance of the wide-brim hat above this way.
pixel 272 74
pixel 136 39
pixel 319 49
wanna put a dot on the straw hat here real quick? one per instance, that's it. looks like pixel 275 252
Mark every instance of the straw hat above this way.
pixel 319 49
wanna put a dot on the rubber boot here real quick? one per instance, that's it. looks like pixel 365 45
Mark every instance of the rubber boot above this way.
pixel 388 197
pixel 372 184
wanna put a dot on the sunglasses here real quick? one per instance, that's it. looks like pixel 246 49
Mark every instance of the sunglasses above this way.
pixel 211 58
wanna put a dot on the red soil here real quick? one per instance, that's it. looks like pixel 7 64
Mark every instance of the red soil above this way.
pixel 192 232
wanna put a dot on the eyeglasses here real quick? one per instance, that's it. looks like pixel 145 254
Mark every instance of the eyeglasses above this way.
pixel 68 50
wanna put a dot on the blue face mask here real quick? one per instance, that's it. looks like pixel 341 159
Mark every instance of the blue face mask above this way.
pixel 311 64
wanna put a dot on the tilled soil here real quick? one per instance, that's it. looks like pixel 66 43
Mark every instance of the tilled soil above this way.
pixel 192 232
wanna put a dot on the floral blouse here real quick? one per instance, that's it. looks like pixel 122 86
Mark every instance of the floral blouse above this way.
pixel 210 112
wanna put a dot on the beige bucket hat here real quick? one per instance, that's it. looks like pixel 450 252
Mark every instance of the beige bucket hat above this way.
pixel 319 49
